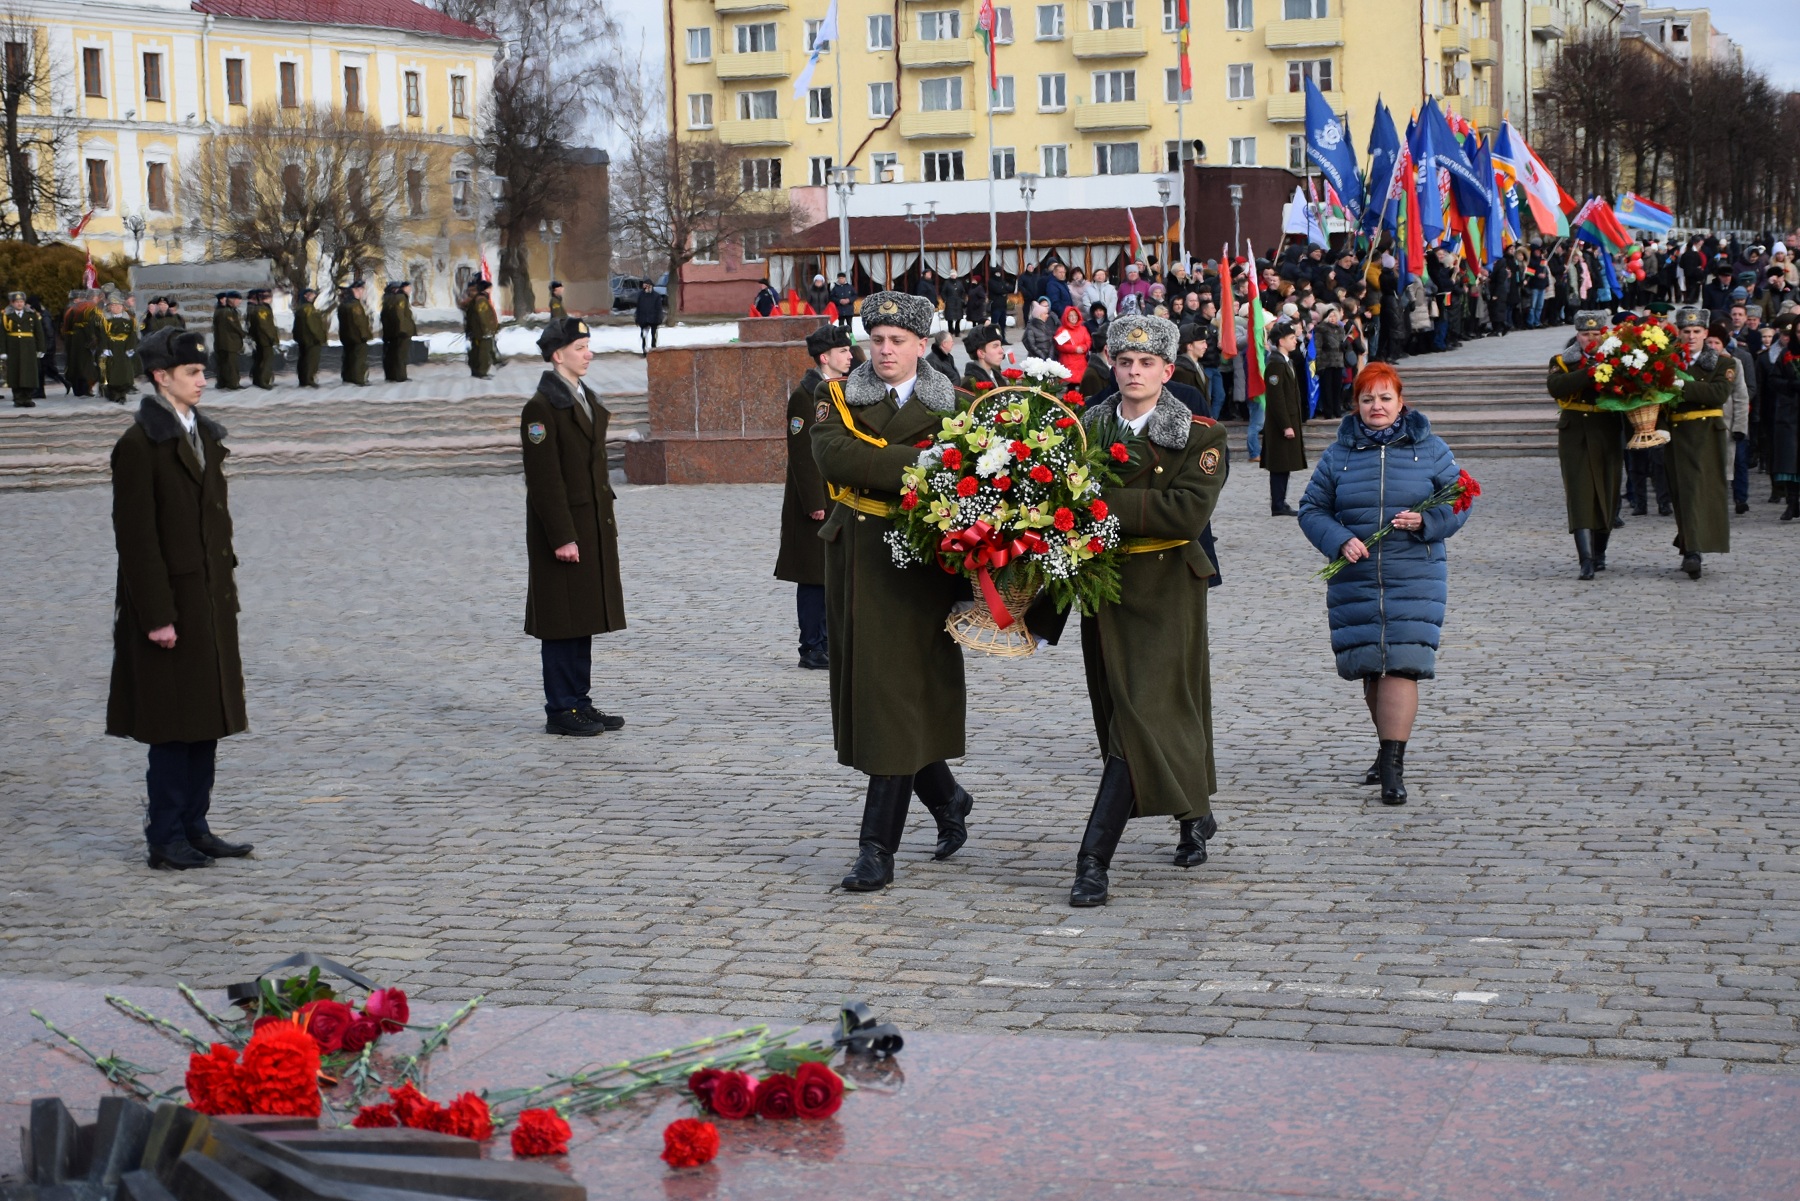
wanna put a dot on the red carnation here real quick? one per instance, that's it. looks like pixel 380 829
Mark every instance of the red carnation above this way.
pixel 1020 450
pixel 1012 373
pixel 820 1091
pixel 922 444
pixel 952 458
pixel 1063 423
pixel 775 1097
pixel 968 485
pixel 214 1083
pixel 1003 483
pixel 467 1117
pixel 734 1096
pixel 1095 546
pixel 1099 509
pixel 1119 453
pixel 280 1071
pixel 909 499
pixel 1074 397
pixel 370 1117
pixel 388 1006
pixel 360 1033
pixel 689 1142
pixel 1065 520
pixel 982 385
pixel 540 1132
pixel 1470 490
pixel 1042 474
pixel 414 1108
pixel 326 1021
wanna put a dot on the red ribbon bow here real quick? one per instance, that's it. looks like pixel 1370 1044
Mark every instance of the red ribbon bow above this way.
pixel 986 551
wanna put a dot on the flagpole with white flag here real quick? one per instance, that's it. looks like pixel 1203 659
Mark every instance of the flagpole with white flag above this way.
pixel 984 21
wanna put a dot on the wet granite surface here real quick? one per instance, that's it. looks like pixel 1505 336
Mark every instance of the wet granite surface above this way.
pixel 999 1117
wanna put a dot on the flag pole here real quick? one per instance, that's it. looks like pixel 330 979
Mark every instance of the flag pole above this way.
pixel 837 110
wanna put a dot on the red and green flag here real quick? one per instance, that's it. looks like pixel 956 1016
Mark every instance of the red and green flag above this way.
pixel 1181 41
pixel 1256 349
pixel 1228 310
pixel 985 23
pixel 1600 225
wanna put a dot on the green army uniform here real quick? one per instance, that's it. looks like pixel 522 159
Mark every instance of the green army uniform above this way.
pixel 355 333
pixel 119 361
pixel 1590 446
pixel 397 330
pixel 557 311
pixel 228 345
pixel 1695 456
pixel 22 331
pixel 77 335
pixel 265 342
pixel 158 321
pixel 801 559
pixel 309 338
pixel 480 326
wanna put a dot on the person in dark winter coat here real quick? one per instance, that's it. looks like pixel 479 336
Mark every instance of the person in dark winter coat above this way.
pixel 955 296
pixel 999 293
pixel 987 358
pixel 819 297
pixel 801 561
pixel 649 315
pixel 177 680
pixel 1040 331
pixel 1695 455
pixel 1387 606
pixel 843 299
pixel 1284 428
pixel 942 355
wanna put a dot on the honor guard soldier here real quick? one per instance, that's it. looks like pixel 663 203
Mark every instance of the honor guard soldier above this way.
pixel 156 314
pixel 397 330
pixel 897 695
pixel 265 339
pixel 557 311
pixel 177 681
pixel 309 337
pixel 1695 456
pixel 803 502
pixel 84 329
pixel 480 326
pixel 987 352
pixel 174 314
pixel 571 537
pixel 354 333
pixel 1590 444
pixel 23 332
pixel 228 340
pixel 119 351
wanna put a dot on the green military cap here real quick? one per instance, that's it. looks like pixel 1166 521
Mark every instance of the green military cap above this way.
pixel 1692 317
pixel 900 309
pixel 1145 335
pixel 1589 321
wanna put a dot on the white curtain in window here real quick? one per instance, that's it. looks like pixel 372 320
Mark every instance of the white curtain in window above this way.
pixel 873 265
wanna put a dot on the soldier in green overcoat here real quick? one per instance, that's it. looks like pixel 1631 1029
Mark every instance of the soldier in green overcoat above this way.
pixel 265 339
pixel 78 337
pixel 158 316
pixel 1284 426
pixel 119 351
pixel 354 334
pixel 228 339
pixel 309 337
pixel 480 327
pixel 801 561
pixel 397 330
pixel 557 311
pixel 1146 655
pixel 897 696
pixel 571 536
pixel 1695 456
pixel 23 332
pixel 1590 444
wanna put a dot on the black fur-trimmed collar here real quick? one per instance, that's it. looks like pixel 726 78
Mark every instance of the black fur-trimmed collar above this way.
pixel 555 389
pixel 161 424
pixel 1169 425
pixel 863 388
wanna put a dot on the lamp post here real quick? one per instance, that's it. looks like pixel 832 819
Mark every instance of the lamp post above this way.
pixel 550 233
pixel 1237 203
pixel 843 181
pixel 1028 181
pixel 1163 187
pixel 921 220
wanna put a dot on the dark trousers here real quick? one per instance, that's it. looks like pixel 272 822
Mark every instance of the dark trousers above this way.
pixel 1278 488
pixel 809 603
pixel 179 780
pixel 1644 473
pixel 568 673
pixel 1740 471
pixel 647 338
pixel 844 319
pixel 308 368
pixel 1331 391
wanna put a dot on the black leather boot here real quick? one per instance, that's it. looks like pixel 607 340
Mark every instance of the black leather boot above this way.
pixel 948 803
pixel 211 844
pixel 1190 851
pixel 1393 769
pixel 1793 503
pixel 1113 805
pixel 884 820
pixel 1690 563
pixel 178 856
pixel 1601 538
pixel 1373 775
pixel 1584 551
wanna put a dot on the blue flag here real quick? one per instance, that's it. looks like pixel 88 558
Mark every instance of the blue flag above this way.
pixel 1495 223
pixel 1471 197
pixel 1328 146
pixel 1312 375
pixel 1429 203
pixel 1384 159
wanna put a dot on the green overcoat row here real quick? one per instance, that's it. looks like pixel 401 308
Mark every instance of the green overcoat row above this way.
pixel 119 360
pixel 78 337
pixel 158 321
pixel 569 498
pixel 1589 446
pixel 355 333
pixel 172 525
pixel 1695 458
pixel 228 344
pixel 265 338
pixel 897 694
pixel 397 330
pixel 801 559
pixel 1146 656
pixel 309 339
pixel 1284 409
pixel 21 332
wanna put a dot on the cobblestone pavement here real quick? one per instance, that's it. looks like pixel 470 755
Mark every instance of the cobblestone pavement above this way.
pixel 1598 862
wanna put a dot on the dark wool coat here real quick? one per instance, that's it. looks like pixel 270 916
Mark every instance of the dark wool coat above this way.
pixel 1284 409
pixel 974 373
pixel 1590 446
pixel 172 525
pixel 1695 458
pixel 1146 656
pixel 1387 611
pixel 897 699
pixel 802 556
pixel 228 330
pixel 118 353
pixel 23 333
pixel 568 498
pixel 309 325
pixel 1781 396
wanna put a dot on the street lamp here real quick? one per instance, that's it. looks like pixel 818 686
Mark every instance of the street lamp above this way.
pixel 843 180
pixel 1163 187
pixel 1237 202
pixel 550 233
pixel 1028 181
pixel 921 220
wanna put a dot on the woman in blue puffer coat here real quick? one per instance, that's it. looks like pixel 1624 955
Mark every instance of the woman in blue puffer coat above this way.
pixel 1387 606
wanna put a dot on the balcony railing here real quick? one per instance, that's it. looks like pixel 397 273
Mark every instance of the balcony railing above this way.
pixel 1548 22
pixel 1453 41
pixel 772 131
pixel 1110 43
pixel 1319 31
pixel 954 123
pixel 1120 114
pixel 770 64
pixel 937 52
pixel 734 7
pixel 1484 52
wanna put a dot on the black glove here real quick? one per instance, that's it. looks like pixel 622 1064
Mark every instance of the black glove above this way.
pixel 1737 436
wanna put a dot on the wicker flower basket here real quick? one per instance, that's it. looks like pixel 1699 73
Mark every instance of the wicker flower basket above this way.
pixel 975 627
pixel 1644 434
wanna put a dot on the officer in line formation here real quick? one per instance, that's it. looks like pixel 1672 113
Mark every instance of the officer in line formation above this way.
pixel 118 348
pixel 481 326
pixel 1590 444
pixel 265 339
pixel 163 313
pixel 397 330
pixel 354 334
pixel 228 339
pixel 309 337
pixel 23 331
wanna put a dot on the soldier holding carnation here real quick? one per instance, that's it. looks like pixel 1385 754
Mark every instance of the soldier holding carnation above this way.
pixel 897 697
pixel 1695 456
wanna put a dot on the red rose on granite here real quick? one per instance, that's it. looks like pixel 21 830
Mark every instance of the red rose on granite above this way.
pixel 1064 520
pixel 466 1117
pixel 371 1117
pixel 213 1083
pixel 819 1091
pixel 326 1021
pixel 689 1142
pixel 702 1083
pixel 734 1096
pixel 414 1108
pixel 1119 453
pixel 1042 474
pixel 1099 510
pixel 776 1097
pixel 388 1006
pixel 952 459
pixel 360 1033
pixel 541 1132
pixel 280 1071
pixel 968 485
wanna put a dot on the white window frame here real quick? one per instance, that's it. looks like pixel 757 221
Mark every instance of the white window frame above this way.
pixel 950 162
pixel 1054 159
pixel 1172 90
pixel 1102 11
pixel 881 161
pixel 754 246
pixel 702 35
pixel 1243 152
pixel 1056 21
pixel 458 81
pixel 1172 16
pixel 1315 9
pixel 168 173
pixel 809 40
pixel 1114 87
pixel 881 32
pixel 760 174
pixel 881 98
pixel 706 249
pixel 818 104
pixel 952 87
pixel 700 110
pixel 1313 69
pixel 940 25
pixel 1003 99
pixel 1003 25
pixel 1240 81
pixel 1240 15
pixel 1104 152
pixel 1053 92
pixel 1296 144
pixel 818 170
pixel 1003 162
pixel 745 35
pixel 747 104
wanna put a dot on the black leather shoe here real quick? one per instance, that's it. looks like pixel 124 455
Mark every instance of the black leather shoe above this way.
pixel 27 403
pixel 1743 506
pixel 1584 553
pixel 952 823
pixel 211 844
pixel 607 721
pixel 1640 510
pixel 1091 886
pixel 1284 511
pixel 571 722
pixel 815 661
pixel 1393 768
pixel 1665 510
pixel 177 856
pixel 883 822
pixel 1190 850
pixel 1690 563
pixel 872 871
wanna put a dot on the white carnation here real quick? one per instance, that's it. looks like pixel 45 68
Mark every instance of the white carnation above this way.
pixel 1045 369
pixel 1610 344
pixel 994 459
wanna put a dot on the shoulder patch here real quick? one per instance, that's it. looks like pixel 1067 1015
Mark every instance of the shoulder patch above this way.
pixel 795 425
pixel 823 411
pixel 536 432
pixel 1209 460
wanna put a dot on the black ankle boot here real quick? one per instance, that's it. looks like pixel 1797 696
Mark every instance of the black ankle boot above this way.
pixel 1373 775
pixel 178 856
pixel 1393 769
pixel 1190 850
pixel 1793 503
pixel 1584 552
pixel 1601 538
pixel 884 819
pixel 948 803
pixel 1106 825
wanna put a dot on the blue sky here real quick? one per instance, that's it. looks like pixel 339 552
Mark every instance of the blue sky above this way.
pixel 1769 32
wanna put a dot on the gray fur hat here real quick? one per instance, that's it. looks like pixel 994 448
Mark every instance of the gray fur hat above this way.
pixel 1689 318
pixel 1589 321
pixel 1148 335
pixel 898 308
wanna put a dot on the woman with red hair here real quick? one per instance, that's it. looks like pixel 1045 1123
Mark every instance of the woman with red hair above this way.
pixel 1387 607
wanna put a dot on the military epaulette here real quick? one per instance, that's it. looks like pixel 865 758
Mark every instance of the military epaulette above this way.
pixel 1199 420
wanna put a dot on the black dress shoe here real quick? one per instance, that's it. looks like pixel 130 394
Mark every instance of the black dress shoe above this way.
pixel 1665 510
pixel 1190 849
pixel 872 871
pixel 1743 506
pixel 815 660
pixel 1284 511
pixel 27 403
pixel 1690 563
pixel 177 856
pixel 607 721
pixel 572 723
pixel 211 844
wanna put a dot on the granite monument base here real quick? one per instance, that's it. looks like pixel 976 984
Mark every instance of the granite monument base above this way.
pixel 779 329
pixel 718 414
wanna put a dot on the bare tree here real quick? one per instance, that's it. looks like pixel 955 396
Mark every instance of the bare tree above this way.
pixel 308 188
pixel 38 145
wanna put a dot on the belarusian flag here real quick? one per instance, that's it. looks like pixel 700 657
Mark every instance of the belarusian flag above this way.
pixel 985 23
pixel 1543 195
pixel 1134 250
pixel 1596 223
pixel 1227 309
pixel 1256 349
pixel 1181 42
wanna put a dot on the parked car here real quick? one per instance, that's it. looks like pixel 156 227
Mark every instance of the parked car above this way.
pixel 625 289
